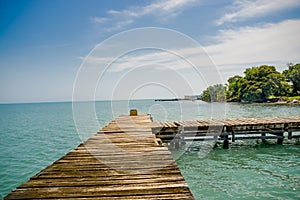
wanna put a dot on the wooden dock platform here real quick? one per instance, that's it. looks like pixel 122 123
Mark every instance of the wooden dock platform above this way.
pixel 121 161
pixel 228 129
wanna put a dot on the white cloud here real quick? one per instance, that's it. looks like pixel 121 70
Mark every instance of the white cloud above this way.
pixel 247 46
pixel 131 61
pixel 160 9
pixel 245 9
pixel 99 20
pixel 119 25
pixel 176 59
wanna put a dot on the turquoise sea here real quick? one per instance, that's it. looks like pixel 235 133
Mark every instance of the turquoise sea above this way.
pixel 35 135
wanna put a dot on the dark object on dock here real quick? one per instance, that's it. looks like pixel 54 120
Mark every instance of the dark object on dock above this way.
pixel 123 160
pixel 133 112
pixel 229 129
pixel 176 99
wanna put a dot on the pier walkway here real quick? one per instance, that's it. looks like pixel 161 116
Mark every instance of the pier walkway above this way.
pixel 228 129
pixel 122 161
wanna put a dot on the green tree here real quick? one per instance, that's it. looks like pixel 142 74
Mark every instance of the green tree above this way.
pixel 234 86
pixel 258 84
pixel 215 93
pixel 292 75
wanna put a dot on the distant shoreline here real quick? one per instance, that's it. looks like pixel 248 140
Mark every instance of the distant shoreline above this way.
pixel 253 103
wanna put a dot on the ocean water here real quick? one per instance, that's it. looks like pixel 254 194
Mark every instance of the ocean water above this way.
pixel 35 135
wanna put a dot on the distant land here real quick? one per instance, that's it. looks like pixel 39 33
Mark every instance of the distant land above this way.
pixel 262 84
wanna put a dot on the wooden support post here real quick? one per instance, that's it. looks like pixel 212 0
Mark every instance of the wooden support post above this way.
pixel 263 139
pixel 172 144
pixel 226 142
pixel 280 140
pixel 176 144
pixel 233 136
pixel 215 137
pixel 179 137
pixel 290 134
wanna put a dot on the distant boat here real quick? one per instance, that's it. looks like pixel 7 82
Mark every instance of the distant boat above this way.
pixel 176 99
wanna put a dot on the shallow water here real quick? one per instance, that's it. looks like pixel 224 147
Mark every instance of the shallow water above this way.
pixel 35 135
pixel 243 172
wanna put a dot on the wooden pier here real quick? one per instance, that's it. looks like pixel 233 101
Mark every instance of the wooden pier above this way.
pixel 125 159
pixel 229 129
pixel 121 161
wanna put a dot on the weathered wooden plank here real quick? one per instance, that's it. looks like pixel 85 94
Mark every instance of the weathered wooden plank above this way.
pixel 96 191
pixel 98 181
pixel 141 197
pixel 117 170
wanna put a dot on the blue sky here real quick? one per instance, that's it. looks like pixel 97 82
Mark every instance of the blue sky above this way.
pixel 44 42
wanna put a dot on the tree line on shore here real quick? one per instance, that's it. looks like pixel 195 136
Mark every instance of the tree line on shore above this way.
pixel 259 84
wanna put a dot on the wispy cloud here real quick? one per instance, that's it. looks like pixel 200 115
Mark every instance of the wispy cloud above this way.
pixel 118 25
pixel 273 43
pixel 176 59
pixel 157 8
pixel 99 20
pixel 246 9
pixel 162 10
